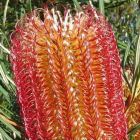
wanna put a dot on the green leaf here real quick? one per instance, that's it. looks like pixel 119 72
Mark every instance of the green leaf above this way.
pixel 136 75
pixel 5 93
pixel 12 128
pixel 76 3
pixel 4 135
pixel 4 48
pixel 3 110
pixel 101 6
pixel 127 51
pixel 5 12
pixel 134 130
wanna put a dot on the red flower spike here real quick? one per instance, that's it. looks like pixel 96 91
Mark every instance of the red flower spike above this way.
pixel 68 76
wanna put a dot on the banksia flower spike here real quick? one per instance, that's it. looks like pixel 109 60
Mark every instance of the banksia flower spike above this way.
pixel 68 77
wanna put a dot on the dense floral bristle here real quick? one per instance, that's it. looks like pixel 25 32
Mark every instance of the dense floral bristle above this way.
pixel 68 76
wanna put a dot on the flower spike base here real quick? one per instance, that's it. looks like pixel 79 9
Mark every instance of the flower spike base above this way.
pixel 68 76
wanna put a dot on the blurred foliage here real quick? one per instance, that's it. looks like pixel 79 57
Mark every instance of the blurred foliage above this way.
pixel 124 15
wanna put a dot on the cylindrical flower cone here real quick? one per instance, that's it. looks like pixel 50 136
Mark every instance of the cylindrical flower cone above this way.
pixel 68 76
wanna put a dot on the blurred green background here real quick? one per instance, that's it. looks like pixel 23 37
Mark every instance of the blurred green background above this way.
pixel 124 15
